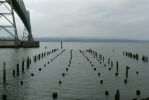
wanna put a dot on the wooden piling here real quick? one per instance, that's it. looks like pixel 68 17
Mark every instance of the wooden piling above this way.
pixel 98 74
pixel 103 59
pixel 138 92
pixel 106 93
pixel 4 97
pixel 117 95
pixel 61 45
pixel 127 68
pixel 60 82
pixel 111 63
pixel 22 66
pixel 101 81
pixel 14 73
pixel 117 66
pixel 55 95
pixel 4 74
pixel 18 70
pixel 35 59
pixel 125 81
pixel 28 62
pixel 21 82
pixel 108 61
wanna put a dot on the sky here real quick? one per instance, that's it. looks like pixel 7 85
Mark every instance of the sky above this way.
pixel 122 19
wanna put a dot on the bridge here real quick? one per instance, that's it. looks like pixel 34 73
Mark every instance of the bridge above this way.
pixel 18 7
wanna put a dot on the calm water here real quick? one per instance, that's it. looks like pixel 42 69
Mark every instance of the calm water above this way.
pixel 81 82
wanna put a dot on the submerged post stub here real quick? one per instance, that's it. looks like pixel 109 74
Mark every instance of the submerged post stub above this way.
pixel 138 92
pixel 54 95
pixel 106 93
pixel 4 96
pixel 14 73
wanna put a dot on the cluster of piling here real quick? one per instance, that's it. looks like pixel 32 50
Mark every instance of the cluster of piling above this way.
pixel 145 58
pixel 131 55
pixel 135 56
pixel 101 59
pixel 95 54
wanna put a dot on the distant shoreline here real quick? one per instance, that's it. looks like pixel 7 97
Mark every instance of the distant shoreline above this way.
pixel 86 40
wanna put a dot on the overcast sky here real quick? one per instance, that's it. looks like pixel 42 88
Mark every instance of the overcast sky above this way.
pixel 127 19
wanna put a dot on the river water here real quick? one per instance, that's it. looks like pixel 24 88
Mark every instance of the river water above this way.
pixel 81 81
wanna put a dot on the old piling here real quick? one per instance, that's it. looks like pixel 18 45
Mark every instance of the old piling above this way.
pixel 4 97
pixel 28 62
pixel 117 66
pixel 4 74
pixel 138 92
pixel 66 69
pixel 35 58
pixel 98 74
pixel 117 95
pixel 108 61
pixel 32 74
pixel 63 74
pixel 127 68
pixel 61 45
pixel 101 81
pixel 55 95
pixel 39 69
pixel 125 81
pixel 106 93
pixel 14 73
pixel 111 63
pixel 137 72
pixel 22 66
pixel 21 82
pixel 18 70
pixel 60 82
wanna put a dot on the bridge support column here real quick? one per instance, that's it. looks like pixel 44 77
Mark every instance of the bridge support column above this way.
pixel 30 37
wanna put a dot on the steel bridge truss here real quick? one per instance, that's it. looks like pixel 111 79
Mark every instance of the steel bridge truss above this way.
pixel 19 7
pixel 11 22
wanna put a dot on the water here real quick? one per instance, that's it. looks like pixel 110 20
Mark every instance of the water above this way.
pixel 81 82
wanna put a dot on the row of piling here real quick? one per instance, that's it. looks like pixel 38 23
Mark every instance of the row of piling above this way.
pixel 117 95
pixel 135 56
pixel 55 94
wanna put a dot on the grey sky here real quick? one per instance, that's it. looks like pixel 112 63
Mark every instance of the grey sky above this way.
pixel 90 18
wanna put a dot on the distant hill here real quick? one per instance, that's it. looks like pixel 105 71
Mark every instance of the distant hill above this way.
pixel 46 39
